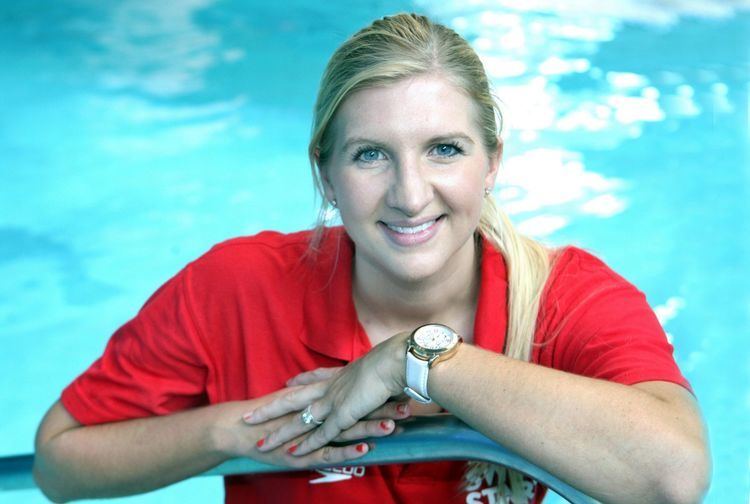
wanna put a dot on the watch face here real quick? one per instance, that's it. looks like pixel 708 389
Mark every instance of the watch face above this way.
pixel 435 337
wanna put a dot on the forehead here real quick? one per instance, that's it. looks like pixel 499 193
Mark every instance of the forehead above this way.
pixel 427 105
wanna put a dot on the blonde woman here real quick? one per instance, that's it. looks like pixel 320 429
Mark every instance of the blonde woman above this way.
pixel 291 349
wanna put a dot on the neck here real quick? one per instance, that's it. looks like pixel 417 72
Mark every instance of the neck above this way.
pixel 393 305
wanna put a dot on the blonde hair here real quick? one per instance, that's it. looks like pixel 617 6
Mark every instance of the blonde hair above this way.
pixel 406 45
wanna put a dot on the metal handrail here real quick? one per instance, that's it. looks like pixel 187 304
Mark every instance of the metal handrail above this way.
pixel 423 439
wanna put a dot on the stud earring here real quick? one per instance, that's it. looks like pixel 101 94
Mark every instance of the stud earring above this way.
pixel 334 204
pixel 487 191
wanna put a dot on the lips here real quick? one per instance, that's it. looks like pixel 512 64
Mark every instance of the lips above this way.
pixel 411 229
pixel 408 234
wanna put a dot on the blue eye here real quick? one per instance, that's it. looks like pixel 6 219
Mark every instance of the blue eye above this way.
pixel 448 150
pixel 371 154
pixel 367 154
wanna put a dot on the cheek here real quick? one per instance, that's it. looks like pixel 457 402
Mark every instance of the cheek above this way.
pixel 464 193
pixel 357 195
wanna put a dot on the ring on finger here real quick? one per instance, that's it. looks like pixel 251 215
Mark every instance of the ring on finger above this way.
pixel 308 418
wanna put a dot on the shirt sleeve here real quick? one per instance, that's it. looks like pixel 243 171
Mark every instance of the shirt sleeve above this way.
pixel 153 365
pixel 597 324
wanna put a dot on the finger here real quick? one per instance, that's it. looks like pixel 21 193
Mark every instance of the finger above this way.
pixel 367 429
pixel 330 455
pixel 314 376
pixel 392 409
pixel 333 425
pixel 292 428
pixel 295 399
pixel 282 435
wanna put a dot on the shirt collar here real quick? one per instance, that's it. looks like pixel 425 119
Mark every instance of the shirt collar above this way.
pixel 331 326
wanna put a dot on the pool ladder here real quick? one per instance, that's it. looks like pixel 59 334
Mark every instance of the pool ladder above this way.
pixel 440 437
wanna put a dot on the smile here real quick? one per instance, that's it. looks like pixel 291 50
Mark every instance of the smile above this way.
pixel 405 235
pixel 412 230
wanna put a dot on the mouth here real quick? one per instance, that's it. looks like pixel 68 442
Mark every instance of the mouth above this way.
pixel 407 234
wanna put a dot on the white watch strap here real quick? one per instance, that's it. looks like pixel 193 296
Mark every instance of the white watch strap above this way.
pixel 416 378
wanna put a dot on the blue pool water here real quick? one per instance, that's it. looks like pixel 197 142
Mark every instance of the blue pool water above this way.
pixel 135 134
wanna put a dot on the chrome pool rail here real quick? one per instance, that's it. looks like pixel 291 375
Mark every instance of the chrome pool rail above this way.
pixel 439 437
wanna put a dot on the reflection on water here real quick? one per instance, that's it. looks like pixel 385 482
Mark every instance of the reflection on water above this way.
pixel 532 51
pixel 136 134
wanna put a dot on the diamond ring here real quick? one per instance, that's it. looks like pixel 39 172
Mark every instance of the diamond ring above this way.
pixel 308 418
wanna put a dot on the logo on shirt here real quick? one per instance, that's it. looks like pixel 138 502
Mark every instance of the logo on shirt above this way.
pixel 336 474
pixel 491 484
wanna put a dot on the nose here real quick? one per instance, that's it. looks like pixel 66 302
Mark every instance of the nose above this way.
pixel 410 191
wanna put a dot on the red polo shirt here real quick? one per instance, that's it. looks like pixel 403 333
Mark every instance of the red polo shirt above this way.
pixel 252 312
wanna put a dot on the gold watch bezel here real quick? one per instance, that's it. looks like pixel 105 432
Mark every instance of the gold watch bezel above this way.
pixel 433 356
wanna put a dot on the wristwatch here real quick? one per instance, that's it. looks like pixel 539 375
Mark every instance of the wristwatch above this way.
pixel 428 345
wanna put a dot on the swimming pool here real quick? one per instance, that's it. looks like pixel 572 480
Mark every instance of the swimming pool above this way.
pixel 136 135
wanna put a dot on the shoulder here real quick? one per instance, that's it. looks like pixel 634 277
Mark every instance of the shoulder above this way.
pixel 576 271
pixel 265 253
pixel 263 244
pixel 245 270
pixel 569 261
pixel 584 296
pixel 267 260
pixel 596 323
pixel 582 288
pixel 249 276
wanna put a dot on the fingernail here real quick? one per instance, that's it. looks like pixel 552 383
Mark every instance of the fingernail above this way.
pixel 260 442
pixel 403 409
pixel 385 425
pixel 248 417
pixel 362 447
pixel 292 449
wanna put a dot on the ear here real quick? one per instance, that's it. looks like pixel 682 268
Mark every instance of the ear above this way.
pixel 494 165
pixel 328 192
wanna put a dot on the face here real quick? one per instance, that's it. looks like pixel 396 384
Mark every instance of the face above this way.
pixel 408 170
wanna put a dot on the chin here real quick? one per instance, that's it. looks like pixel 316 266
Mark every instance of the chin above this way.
pixel 411 264
pixel 416 269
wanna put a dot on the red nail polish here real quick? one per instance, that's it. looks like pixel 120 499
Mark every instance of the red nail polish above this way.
pixel 260 442
pixel 401 408
pixel 292 449
pixel 384 425
pixel 362 447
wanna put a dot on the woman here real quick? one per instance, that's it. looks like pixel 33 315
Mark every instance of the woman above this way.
pixel 275 346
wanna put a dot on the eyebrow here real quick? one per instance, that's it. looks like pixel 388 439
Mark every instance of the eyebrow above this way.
pixel 436 139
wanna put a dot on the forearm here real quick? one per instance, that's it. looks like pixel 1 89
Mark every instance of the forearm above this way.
pixel 132 456
pixel 617 443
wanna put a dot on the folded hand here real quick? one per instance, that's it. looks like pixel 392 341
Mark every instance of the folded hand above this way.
pixel 349 403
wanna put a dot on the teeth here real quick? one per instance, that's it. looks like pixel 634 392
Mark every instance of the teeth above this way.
pixel 411 230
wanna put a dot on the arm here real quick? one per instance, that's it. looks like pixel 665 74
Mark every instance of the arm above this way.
pixel 618 443
pixel 73 461
pixel 640 443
